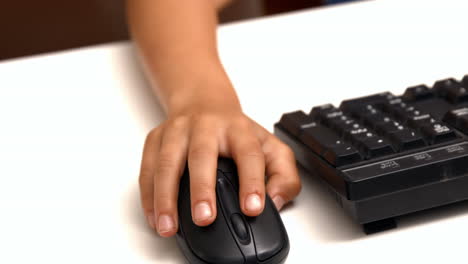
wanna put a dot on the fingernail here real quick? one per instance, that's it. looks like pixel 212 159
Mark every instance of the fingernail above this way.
pixel 202 211
pixel 253 203
pixel 279 202
pixel 165 224
pixel 150 219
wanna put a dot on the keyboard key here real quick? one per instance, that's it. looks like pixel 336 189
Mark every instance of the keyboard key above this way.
pixel 342 124
pixel 320 138
pixel 402 112
pixel 442 86
pixel 457 95
pixel 374 147
pixel 417 93
pixel 406 139
pixel 373 120
pixel 437 133
pixel 363 109
pixel 452 116
pixel 453 90
pixel 368 114
pixel 419 121
pixel 358 134
pixel 458 118
pixel 342 154
pixel 389 126
pixel 395 107
pixel 350 105
pixel 295 122
pixel 369 143
pixel 415 114
pixel 465 81
pixel 325 112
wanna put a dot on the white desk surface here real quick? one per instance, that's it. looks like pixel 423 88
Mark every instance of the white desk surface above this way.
pixel 72 126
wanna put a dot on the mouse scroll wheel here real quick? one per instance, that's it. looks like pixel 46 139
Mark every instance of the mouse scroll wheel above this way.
pixel 240 228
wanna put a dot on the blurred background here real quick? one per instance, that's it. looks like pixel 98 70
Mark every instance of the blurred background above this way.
pixel 33 27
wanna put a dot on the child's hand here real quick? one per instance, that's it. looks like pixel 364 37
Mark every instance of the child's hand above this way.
pixel 200 133
pixel 179 51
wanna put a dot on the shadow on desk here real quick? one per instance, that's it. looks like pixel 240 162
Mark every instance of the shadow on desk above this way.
pixel 326 220
pixel 147 113
pixel 149 244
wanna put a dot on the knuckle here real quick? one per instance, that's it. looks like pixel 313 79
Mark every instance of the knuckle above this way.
pixel 147 205
pixel 203 185
pixel 153 133
pixel 256 183
pixel 294 186
pixel 253 182
pixel 207 126
pixel 178 122
pixel 242 122
pixel 166 162
pixel 202 189
pixel 199 151
pixel 251 151
pixel 285 151
pixel 145 177
pixel 206 120
pixel 162 198
pixel 164 202
pixel 289 187
pixel 147 200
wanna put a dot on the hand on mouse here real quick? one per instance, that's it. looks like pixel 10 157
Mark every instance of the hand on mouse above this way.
pixel 177 44
pixel 204 128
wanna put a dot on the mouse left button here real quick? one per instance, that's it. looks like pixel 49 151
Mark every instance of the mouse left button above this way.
pixel 209 244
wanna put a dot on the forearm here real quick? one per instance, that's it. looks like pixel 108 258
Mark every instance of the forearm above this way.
pixel 177 43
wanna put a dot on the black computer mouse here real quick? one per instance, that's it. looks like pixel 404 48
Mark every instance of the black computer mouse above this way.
pixel 232 238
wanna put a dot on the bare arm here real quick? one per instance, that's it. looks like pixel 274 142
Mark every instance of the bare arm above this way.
pixel 177 43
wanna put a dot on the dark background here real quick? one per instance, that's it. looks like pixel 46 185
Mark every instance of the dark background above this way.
pixel 32 27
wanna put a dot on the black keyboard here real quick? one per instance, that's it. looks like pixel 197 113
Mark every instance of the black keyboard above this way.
pixel 384 155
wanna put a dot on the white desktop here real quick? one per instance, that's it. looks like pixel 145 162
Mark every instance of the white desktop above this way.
pixel 73 123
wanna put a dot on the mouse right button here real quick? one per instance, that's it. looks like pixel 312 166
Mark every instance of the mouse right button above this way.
pixel 268 233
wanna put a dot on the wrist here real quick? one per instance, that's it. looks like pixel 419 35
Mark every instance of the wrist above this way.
pixel 193 85
pixel 205 96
